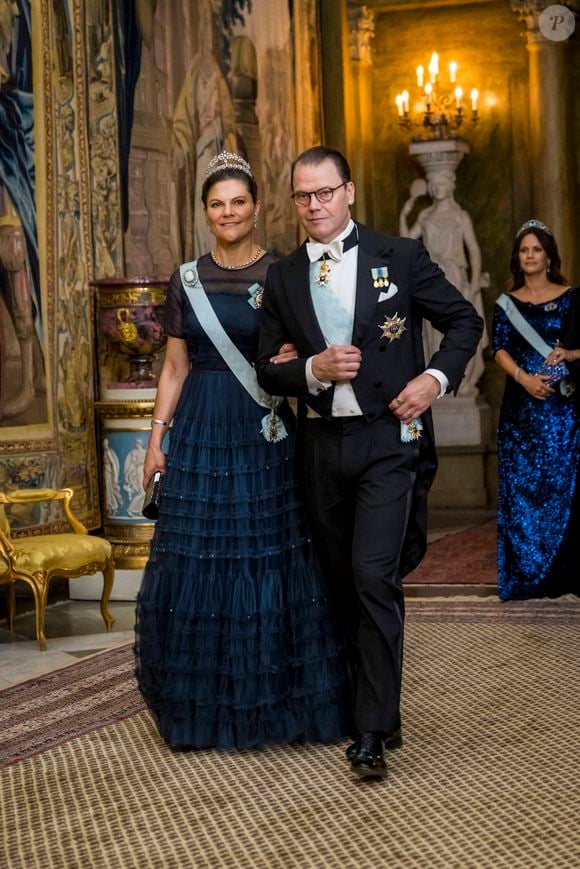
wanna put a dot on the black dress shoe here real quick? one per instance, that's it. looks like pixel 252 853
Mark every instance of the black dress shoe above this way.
pixel 391 742
pixel 368 761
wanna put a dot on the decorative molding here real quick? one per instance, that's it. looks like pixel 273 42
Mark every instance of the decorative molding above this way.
pixel 361 21
pixel 136 534
pixel 126 409
pixel 529 12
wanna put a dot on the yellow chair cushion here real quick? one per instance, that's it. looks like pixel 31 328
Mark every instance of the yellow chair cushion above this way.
pixel 4 569
pixel 63 551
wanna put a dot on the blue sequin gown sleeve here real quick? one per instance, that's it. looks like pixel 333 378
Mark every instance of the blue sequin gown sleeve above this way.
pixel 235 642
pixel 539 455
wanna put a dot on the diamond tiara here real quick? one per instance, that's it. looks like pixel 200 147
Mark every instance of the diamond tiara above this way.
pixel 530 225
pixel 227 160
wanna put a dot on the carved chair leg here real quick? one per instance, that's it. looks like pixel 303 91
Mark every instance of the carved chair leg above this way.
pixel 109 577
pixel 39 586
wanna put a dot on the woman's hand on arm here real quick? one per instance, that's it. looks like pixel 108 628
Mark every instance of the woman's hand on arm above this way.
pixel 285 354
pixel 175 370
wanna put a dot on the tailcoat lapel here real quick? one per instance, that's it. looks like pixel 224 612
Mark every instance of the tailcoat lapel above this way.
pixel 366 292
pixel 297 280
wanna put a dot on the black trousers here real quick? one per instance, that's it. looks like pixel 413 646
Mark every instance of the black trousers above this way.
pixel 358 486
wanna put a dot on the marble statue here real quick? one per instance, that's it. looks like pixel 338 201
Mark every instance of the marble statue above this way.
pixel 447 232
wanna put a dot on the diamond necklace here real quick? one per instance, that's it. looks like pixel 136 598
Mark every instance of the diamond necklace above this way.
pixel 257 255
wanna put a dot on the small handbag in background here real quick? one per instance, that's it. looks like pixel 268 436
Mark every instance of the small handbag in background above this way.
pixel 153 496
pixel 556 373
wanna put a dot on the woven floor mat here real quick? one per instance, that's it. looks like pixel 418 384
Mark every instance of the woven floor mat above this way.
pixel 488 775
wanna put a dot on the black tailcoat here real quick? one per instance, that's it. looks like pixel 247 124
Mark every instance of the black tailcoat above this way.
pixel 387 366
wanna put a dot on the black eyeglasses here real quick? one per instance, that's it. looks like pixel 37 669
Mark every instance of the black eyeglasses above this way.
pixel 325 194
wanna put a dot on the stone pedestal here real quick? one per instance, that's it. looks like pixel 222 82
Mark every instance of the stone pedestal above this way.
pixel 462 434
pixel 461 481
pixel 462 422
pixel 125 428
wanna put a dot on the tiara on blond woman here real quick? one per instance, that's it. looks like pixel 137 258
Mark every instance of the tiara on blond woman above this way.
pixel 227 160
pixel 530 225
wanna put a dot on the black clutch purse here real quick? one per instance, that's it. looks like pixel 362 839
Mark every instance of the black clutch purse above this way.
pixel 153 496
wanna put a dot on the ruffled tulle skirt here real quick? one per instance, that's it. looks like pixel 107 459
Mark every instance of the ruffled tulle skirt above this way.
pixel 235 641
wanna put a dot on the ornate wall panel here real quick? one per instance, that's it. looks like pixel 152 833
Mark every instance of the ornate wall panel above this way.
pixel 50 440
pixel 217 74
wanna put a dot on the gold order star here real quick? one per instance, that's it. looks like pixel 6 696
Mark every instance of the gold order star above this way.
pixel 323 276
pixel 393 327
pixel 414 431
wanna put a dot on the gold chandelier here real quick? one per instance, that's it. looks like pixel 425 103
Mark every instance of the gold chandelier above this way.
pixel 439 109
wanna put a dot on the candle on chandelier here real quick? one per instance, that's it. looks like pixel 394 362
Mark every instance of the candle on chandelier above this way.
pixel 434 67
pixel 399 102
pixel 405 96
pixel 428 92
pixel 453 72
pixel 474 97
pixel 420 75
pixel 458 95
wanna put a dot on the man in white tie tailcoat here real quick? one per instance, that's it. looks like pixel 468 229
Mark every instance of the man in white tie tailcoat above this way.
pixel 352 302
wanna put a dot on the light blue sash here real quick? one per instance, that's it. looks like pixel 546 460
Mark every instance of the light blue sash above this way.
pixel 335 322
pixel 519 322
pixel 273 428
pixel 336 325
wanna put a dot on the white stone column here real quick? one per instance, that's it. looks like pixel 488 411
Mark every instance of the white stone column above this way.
pixel 550 127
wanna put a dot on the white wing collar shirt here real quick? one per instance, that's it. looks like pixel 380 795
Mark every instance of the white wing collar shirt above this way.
pixel 342 283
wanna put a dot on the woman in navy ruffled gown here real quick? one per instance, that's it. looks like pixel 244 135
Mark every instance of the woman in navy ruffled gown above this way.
pixel 539 428
pixel 235 643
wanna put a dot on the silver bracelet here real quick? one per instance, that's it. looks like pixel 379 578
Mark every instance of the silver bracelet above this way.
pixel 517 374
pixel 162 422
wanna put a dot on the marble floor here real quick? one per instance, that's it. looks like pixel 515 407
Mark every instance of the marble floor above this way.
pixel 74 628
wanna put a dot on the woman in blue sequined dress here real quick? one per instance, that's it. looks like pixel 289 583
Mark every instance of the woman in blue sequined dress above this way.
pixel 235 643
pixel 539 428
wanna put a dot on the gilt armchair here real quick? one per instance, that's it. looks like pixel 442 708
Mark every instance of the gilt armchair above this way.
pixel 37 559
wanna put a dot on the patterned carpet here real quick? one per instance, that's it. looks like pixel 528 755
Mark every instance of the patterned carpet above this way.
pixel 464 558
pixel 488 776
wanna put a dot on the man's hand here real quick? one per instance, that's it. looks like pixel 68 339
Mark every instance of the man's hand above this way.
pixel 285 354
pixel 337 362
pixel 415 398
